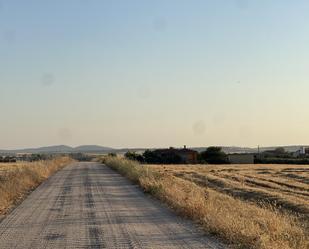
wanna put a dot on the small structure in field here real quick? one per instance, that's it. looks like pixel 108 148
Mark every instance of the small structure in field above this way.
pixel 187 155
pixel 302 152
pixel 241 158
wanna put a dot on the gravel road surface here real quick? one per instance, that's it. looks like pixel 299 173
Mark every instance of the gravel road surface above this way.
pixel 87 205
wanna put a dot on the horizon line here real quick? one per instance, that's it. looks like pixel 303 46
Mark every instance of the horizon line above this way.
pixel 149 147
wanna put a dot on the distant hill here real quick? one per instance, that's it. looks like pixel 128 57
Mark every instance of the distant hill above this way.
pixel 92 148
pixel 61 149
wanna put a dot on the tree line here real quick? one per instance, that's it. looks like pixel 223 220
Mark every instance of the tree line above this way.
pixel 212 155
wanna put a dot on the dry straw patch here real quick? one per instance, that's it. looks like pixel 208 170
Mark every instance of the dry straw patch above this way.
pixel 241 223
pixel 16 180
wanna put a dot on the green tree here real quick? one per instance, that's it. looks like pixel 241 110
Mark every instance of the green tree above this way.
pixel 280 150
pixel 214 155
pixel 151 157
pixel 134 156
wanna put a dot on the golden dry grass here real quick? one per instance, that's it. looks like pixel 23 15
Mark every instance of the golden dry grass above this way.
pixel 241 222
pixel 17 179
pixel 283 186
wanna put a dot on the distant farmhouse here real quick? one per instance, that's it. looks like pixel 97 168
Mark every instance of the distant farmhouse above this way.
pixel 303 151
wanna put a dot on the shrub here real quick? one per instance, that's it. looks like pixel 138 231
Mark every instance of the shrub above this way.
pixel 134 156
pixel 214 155
pixel 168 156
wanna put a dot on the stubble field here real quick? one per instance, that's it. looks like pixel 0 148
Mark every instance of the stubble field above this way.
pixel 270 202
pixel 285 187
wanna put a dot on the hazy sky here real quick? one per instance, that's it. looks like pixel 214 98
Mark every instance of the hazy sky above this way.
pixel 154 73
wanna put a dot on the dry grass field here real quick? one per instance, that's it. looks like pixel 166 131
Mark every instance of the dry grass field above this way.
pixel 277 188
pixel 17 179
pixel 285 187
pixel 248 206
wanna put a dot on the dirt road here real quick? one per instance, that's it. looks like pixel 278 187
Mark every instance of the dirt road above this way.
pixel 87 205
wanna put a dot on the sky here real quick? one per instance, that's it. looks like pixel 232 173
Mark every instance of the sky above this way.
pixel 144 73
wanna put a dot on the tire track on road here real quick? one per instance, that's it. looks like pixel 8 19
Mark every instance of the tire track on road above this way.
pixel 94 232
